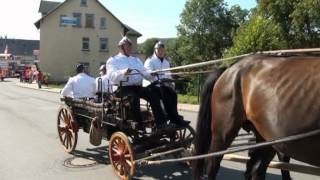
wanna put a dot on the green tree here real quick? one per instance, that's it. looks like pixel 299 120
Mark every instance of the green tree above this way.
pixel 299 20
pixel 239 15
pixel 147 47
pixel 257 34
pixel 204 30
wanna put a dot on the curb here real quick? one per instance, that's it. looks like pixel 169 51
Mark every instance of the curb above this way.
pixel 35 87
pixel 181 107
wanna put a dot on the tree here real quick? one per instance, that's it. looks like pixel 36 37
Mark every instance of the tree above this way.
pixel 299 20
pixel 239 15
pixel 204 30
pixel 147 47
pixel 258 34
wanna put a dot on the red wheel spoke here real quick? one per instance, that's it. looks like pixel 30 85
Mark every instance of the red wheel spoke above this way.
pixel 129 163
pixel 64 139
pixel 125 149
pixel 122 170
pixel 127 156
pixel 68 140
pixel 114 149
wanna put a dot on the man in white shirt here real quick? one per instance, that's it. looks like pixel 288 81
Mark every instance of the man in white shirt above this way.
pixel 165 91
pixel 81 86
pixel 129 71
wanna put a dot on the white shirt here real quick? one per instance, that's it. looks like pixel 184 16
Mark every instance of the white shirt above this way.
pixel 80 86
pixel 118 65
pixel 106 84
pixel 153 63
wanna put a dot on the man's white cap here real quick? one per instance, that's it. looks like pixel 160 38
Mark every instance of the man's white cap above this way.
pixel 159 44
pixel 124 40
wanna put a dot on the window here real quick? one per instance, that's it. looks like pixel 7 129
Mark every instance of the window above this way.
pixel 61 21
pixel 85 44
pixel 83 3
pixel 103 23
pixel 103 44
pixel 89 20
pixel 77 16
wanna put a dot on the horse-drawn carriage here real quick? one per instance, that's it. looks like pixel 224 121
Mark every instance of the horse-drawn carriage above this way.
pixel 128 140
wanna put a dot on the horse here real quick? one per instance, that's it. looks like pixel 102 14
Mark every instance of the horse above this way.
pixel 278 95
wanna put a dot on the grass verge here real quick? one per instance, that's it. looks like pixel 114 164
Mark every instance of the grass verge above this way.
pixel 187 99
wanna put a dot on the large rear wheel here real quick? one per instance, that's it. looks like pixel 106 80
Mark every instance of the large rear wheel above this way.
pixel 67 129
pixel 121 155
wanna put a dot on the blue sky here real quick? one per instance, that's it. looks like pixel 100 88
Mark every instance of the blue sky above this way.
pixel 152 18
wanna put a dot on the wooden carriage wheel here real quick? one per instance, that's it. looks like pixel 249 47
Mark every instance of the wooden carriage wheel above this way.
pixel 67 129
pixel 185 135
pixel 121 155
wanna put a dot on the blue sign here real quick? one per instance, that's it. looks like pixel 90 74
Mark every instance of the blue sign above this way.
pixel 69 21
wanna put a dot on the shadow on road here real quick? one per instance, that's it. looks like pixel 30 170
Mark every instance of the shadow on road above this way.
pixel 176 171
pixel 99 154
pixel 182 172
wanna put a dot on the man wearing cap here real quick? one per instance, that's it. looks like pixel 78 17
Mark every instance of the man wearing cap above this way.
pixel 129 71
pixel 165 91
pixel 80 86
pixel 106 86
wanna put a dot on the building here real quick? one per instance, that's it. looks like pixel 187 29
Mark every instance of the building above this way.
pixel 20 49
pixel 78 31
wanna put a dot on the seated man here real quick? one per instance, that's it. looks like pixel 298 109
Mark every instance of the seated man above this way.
pixel 81 86
pixel 166 92
pixel 119 70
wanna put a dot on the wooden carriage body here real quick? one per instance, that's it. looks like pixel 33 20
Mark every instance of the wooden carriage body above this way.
pixel 128 140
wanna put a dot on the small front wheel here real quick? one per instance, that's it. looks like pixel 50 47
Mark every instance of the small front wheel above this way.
pixel 121 155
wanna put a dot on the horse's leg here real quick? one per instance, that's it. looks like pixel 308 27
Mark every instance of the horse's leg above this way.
pixel 259 161
pixel 283 158
pixel 250 163
pixel 221 140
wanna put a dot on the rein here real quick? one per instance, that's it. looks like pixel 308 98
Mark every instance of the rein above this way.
pixel 232 150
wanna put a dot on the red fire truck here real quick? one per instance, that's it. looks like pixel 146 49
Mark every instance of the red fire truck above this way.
pixel 4 65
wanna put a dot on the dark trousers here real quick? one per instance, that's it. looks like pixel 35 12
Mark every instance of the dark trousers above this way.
pixel 148 95
pixel 169 99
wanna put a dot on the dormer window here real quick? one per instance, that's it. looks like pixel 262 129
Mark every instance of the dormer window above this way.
pixel 83 3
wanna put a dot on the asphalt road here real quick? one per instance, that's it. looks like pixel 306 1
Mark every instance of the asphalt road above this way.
pixel 30 148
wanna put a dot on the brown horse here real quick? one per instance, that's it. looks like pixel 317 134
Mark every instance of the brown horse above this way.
pixel 278 95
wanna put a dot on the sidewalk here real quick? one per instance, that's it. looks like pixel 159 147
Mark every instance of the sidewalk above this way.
pixel 181 107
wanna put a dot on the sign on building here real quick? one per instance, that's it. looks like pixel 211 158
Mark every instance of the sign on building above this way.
pixel 72 21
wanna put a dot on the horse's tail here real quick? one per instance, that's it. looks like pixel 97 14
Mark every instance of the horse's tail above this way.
pixel 203 131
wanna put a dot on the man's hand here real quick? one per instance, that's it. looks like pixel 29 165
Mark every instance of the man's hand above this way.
pixel 128 71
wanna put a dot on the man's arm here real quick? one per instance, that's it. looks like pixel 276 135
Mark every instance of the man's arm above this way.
pixel 114 74
pixel 67 90
pixel 148 65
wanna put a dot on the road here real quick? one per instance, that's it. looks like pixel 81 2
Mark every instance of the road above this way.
pixel 30 148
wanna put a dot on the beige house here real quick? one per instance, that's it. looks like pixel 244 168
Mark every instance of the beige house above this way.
pixel 78 31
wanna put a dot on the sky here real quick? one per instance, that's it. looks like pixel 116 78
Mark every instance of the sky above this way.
pixel 152 18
